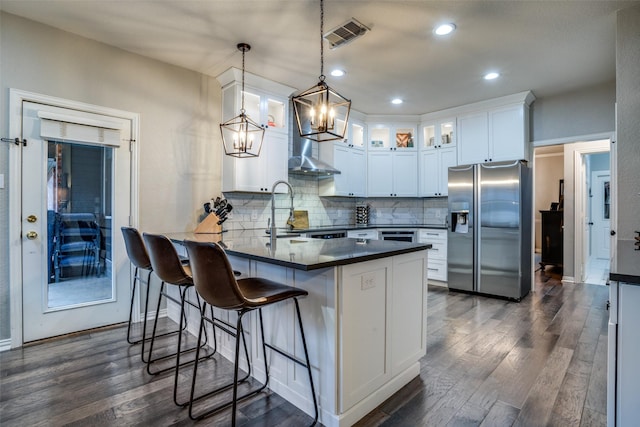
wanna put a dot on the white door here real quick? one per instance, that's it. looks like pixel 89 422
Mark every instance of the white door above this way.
pixel 75 197
pixel 600 214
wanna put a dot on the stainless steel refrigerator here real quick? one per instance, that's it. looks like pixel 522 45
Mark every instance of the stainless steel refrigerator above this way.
pixel 489 238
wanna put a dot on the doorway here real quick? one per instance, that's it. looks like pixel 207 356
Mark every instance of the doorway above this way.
pixel 573 164
pixel 73 179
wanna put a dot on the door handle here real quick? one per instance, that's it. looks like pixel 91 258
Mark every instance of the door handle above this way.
pixel 612 232
pixel 31 235
pixel 32 218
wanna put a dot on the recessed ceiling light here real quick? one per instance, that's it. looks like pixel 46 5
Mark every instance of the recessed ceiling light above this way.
pixel 491 76
pixel 444 29
pixel 396 101
pixel 338 73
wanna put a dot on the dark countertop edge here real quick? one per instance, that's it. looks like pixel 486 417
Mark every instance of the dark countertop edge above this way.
pixel 367 227
pixel 317 266
pixel 626 278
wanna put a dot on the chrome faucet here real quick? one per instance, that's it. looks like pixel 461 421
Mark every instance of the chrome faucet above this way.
pixel 272 222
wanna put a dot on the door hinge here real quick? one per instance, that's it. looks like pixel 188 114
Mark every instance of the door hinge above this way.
pixel 131 142
pixel 16 141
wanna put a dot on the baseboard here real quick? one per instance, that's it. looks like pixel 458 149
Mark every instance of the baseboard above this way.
pixel 152 314
pixel 5 344
pixel 437 283
pixel 568 279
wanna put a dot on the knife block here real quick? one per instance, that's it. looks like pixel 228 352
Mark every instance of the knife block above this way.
pixel 209 225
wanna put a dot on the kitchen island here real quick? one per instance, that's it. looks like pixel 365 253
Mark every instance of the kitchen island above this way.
pixel 364 318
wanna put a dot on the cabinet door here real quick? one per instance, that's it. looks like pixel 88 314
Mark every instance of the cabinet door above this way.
pixel 473 139
pixel 380 174
pixel 448 158
pixel 408 310
pixel 275 162
pixel 364 341
pixel 429 173
pixel 342 162
pixel 358 174
pixel 506 134
pixel 405 174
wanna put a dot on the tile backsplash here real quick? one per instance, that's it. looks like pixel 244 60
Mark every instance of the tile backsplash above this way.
pixel 253 210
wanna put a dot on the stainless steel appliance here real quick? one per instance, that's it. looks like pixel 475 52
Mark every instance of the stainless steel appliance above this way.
pixel 489 237
pixel 398 235
pixel 335 234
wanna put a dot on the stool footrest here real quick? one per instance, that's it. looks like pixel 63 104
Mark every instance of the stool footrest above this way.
pixel 286 354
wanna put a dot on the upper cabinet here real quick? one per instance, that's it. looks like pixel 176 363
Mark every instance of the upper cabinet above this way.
pixel 267 103
pixel 349 157
pixel 497 132
pixel 438 134
pixel 392 136
pixel 437 153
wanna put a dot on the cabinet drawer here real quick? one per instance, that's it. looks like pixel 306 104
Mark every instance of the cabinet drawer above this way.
pixel 363 234
pixel 437 251
pixel 437 270
pixel 429 236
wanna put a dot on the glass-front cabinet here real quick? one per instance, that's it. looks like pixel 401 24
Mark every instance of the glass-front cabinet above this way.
pixel 265 110
pixel 392 136
pixel 438 134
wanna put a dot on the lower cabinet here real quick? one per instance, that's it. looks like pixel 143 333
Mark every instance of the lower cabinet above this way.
pixel 437 255
pixel 382 323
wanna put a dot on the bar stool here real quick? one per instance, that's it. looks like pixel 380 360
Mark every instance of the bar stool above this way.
pixel 139 257
pixel 168 267
pixel 215 282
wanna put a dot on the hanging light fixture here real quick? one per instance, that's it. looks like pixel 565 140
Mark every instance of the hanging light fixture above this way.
pixel 241 136
pixel 321 112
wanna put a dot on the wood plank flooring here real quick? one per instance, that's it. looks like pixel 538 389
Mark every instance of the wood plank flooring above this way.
pixel 540 362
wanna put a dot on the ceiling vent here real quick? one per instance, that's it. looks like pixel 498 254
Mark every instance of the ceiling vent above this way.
pixel 345 33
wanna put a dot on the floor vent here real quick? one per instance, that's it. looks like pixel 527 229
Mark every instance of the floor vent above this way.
pixel 345 33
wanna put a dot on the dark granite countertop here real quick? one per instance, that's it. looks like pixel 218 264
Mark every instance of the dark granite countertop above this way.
pixel 329 228
pixel 628 268
pixel 302 253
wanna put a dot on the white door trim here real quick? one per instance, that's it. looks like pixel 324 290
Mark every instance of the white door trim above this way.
pixel 579 200
pixel 16 98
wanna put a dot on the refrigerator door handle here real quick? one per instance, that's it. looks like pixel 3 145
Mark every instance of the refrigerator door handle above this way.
pixel 509 165
pixel 461 168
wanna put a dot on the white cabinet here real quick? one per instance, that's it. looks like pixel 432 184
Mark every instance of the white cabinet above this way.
pixel 624 353
pixel 392 136
pixel 370 234
pixel 349 157
pixel 257 174
pixel 437 255
pixel 434 170
pixel 267 104
pixel 392 174
pixel 437 153
pixel 495 135
pixel 382 323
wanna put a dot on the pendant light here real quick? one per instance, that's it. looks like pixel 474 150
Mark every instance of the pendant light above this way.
pixel 241 136
pixel 321 112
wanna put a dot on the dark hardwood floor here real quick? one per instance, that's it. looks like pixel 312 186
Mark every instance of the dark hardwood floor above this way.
pixel 540 362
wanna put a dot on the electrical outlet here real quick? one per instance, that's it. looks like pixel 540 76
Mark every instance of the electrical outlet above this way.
pixel 254 216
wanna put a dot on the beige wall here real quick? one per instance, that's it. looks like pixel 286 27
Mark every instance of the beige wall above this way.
pixel 180 154
pixel 549 170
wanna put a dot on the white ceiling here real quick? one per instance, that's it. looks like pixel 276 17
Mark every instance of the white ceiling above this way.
pixel 547 46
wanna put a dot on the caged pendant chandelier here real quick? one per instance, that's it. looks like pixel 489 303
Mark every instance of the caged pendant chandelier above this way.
pixel 321 112
pixel 241 136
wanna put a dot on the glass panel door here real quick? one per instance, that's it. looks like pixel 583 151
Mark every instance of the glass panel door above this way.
pixel 79 188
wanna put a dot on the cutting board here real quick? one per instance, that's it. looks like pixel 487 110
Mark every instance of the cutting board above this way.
pixel 300 220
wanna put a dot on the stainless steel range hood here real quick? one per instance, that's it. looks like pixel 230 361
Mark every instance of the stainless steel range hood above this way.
pixel 303 163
